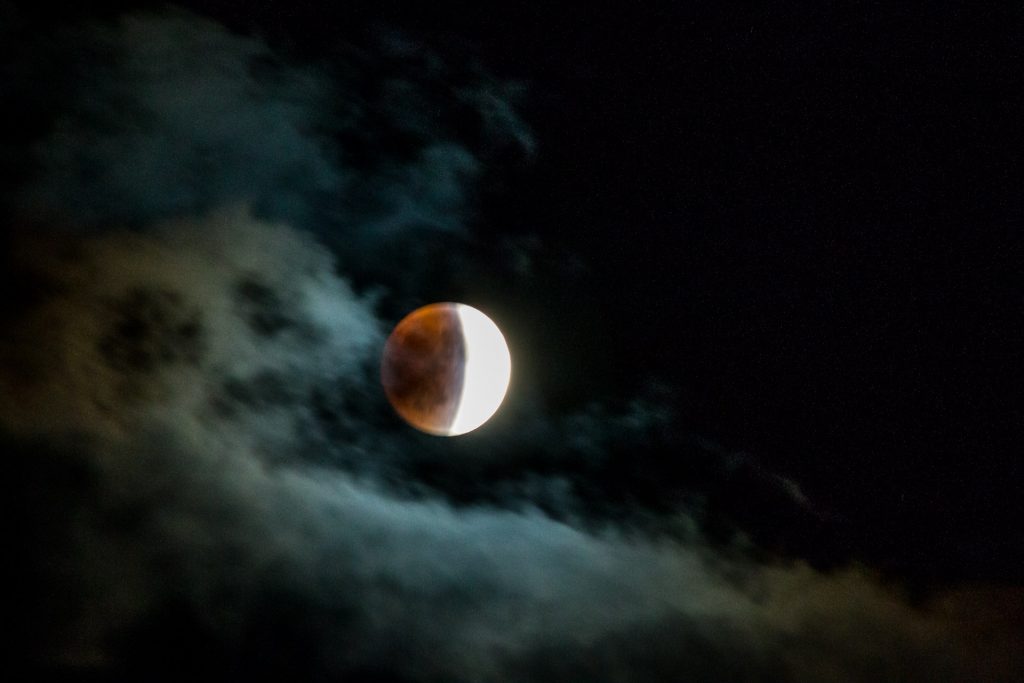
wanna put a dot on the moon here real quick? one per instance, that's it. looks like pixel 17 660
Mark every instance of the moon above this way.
pixel 446 368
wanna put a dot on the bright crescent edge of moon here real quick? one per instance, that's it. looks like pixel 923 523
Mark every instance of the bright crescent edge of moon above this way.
pixel 488 370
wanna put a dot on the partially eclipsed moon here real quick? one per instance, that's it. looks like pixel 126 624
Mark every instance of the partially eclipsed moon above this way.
pixel 446 368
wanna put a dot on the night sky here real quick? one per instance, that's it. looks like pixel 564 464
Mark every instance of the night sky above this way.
pixel 759 269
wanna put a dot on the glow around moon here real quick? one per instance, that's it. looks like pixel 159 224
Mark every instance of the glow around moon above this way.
pixel 446 368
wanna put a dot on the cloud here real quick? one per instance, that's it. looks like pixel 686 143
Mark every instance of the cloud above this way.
pixel 194 309
pixel 156 115
pixel 211 483
pixel 171 114
pixel 177 369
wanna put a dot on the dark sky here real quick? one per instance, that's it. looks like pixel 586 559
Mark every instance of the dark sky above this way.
pixel 759 269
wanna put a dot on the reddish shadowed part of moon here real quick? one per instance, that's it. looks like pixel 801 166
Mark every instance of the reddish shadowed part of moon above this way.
pixel 446 368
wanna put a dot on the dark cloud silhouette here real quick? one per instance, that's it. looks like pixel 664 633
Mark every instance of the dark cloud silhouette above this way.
pixel 210 482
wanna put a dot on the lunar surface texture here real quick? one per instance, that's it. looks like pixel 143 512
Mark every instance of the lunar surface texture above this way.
pixel 446 368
